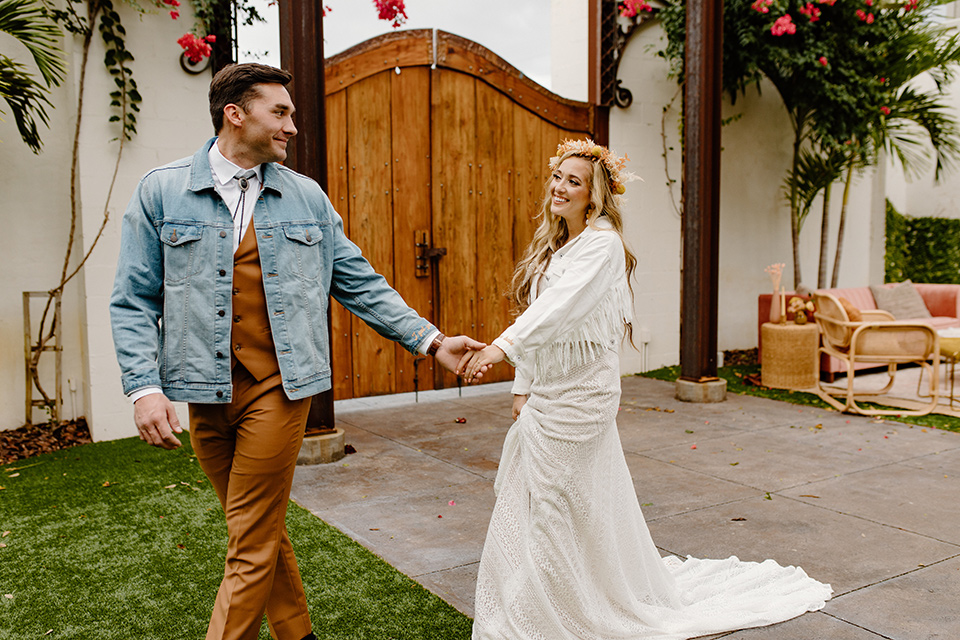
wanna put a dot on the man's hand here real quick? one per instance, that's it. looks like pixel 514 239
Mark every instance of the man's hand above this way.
pixel 157 421
pixel 455 347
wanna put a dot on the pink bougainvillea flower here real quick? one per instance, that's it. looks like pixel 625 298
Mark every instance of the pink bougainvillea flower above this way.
pixel 810 11
pixel 783 25
pixel 392 11
pixel 630 8
pixel 762 6
pixel 211 38
pixel 885 110
pixel 823 60
pixel 174 14
pixel 882 80
pixel 829 3
pixel 869 3
pixel 910 5
pixel 196 49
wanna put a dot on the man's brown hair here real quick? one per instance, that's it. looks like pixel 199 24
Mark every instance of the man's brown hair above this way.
pixel 237 84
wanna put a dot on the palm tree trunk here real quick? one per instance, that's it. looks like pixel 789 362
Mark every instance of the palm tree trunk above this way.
pixel 843 220
pixel 795 206
pixel 824 239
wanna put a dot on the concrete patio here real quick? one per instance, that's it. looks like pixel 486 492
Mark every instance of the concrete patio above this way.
pixel 866 505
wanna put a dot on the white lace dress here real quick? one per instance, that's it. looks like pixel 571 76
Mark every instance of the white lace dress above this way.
pixel 568 554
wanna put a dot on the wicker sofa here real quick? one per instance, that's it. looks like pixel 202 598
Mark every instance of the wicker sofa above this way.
pixel 942 300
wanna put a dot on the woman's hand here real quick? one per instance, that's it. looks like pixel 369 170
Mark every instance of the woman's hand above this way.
pixel 476 363
pixel 518 402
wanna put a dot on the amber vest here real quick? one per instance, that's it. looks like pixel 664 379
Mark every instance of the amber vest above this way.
pixel 251 338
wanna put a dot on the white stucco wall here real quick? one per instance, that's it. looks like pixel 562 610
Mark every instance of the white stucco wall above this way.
pixel 173 123
pixel 754 217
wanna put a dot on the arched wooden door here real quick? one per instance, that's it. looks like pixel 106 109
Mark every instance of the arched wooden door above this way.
pixel 437 153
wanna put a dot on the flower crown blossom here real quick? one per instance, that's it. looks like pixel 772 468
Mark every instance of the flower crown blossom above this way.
pixel 587 148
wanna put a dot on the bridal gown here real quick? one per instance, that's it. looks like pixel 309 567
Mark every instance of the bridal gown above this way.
pixel 568 554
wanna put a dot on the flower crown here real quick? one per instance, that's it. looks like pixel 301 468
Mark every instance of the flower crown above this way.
pixel 587 148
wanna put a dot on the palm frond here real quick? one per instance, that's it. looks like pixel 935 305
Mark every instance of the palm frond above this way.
pixel 27 100
pixel 28 22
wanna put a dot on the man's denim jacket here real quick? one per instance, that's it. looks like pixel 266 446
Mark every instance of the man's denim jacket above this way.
pixel 171 302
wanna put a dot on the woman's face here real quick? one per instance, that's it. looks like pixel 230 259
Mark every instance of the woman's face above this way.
pixel 570 189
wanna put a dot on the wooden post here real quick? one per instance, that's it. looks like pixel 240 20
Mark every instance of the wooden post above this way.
pixel 301 53
pixel 701 184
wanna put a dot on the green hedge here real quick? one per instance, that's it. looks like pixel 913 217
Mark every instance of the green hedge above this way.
pixel 921 249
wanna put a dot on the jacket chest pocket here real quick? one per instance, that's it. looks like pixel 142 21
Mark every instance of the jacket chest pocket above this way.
pixel 301 251
pixel 181 251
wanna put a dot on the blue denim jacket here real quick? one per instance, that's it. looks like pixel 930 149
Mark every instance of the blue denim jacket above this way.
pixel 171 302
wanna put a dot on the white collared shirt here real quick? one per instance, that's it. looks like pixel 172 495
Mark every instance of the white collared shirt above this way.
pixel 229 189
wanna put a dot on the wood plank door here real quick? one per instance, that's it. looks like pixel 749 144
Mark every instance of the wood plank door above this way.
pixel 437 153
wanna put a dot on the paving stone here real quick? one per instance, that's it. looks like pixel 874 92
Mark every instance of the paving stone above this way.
pixel 890 495
pixel 921 605
pixel 420 533
pixel 665 489
pixel 815 625
pixel 847 552
pixel 381 468
pixel 884 505
pixel 457 586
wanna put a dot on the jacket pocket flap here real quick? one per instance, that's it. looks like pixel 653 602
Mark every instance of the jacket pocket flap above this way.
pixel 304 234
pixel 177 234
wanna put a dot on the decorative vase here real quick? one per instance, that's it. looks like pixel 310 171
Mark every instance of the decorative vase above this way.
pixel 775 308
pixel 800 317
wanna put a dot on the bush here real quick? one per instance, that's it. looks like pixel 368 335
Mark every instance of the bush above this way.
pixel 921 249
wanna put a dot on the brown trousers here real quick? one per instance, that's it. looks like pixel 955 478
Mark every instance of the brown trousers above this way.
pixel 248 449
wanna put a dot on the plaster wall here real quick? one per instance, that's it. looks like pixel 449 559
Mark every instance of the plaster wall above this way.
pixel 173 122
pixel 754 217
pixel 35 213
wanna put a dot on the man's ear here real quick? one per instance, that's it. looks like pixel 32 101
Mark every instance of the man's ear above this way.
pixel 233 114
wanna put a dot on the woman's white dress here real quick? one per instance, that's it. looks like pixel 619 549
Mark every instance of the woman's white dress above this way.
pixel 568 554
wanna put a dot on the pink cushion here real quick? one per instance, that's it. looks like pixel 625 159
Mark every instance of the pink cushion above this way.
pixel 860 297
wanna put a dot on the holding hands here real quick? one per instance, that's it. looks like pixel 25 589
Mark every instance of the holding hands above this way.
pixel 474 364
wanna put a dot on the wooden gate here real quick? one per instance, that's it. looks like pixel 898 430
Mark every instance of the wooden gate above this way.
pixel 437 153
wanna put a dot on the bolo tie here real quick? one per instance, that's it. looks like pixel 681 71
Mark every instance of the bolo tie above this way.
pixel 243 179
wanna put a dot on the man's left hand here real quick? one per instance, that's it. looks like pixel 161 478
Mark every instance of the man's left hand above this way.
pixel 453 348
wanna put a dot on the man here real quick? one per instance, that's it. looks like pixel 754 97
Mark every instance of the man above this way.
pixel 220 300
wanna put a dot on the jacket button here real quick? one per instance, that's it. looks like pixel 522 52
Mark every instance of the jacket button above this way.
pixel 221 313
pixel 223 234
pixel 236 318
pixel 308 237
pixel 236 291
pixel 219 354
pixel 219 394
pixel 237 348
pixel 223 272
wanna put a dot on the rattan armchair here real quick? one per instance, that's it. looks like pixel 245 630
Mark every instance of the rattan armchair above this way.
pixel 877 339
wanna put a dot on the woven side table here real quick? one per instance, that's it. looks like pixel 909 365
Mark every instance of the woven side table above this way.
pixel 790 355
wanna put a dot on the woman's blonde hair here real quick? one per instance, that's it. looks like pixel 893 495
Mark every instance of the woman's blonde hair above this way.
pixel 552 232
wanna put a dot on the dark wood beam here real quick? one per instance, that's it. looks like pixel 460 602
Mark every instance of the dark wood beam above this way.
pixel 301 53
pixel 701 190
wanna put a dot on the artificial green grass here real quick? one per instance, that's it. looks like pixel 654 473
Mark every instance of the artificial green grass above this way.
pixel 735 376
pixel 119 540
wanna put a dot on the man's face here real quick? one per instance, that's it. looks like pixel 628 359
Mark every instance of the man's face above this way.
pixel 268 124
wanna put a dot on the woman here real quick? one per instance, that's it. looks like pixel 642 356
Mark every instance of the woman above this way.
pixel 568 553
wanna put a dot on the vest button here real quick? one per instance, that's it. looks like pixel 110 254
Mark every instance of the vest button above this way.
pixel 223 234
pixel 219 394
pixel 223 272
pixel 221 313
